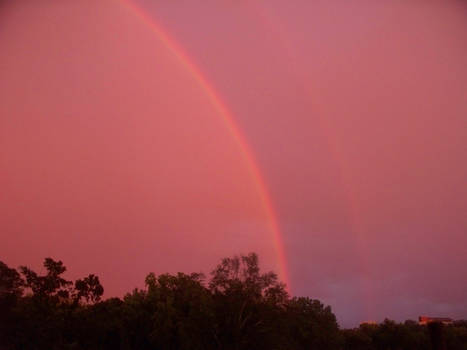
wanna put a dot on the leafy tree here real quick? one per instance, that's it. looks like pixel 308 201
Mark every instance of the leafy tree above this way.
pixel 355 339
pixel 51 285
pixel 183 311
pixel 456 336
pixel 240 307
pixel 11 290
pixel 246 303
pixel 242 274
pixel 387 335
pixel 312 325
pixel 88 288
pixel 436 331
pixel 11 283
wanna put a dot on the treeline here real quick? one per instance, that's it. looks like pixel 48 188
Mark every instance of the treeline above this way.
pixel 406 336
pixel 238 307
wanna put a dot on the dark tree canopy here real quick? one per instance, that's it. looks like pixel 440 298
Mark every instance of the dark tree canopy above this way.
pixel 49 285
pixel 88 288
pixel 11 283
pixel 239 307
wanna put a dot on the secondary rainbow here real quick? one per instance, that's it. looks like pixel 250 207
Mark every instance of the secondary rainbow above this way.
pixel 223 112
pixel 273 21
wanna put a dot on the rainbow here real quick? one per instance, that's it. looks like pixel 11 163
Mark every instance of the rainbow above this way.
pixel 272 21
pixel 227 117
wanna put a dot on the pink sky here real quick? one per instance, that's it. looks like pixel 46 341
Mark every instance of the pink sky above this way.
pixel 114 159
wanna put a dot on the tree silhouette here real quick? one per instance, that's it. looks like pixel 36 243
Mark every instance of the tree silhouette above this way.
pixel 239 307
pixel 88 288
pixel 51 285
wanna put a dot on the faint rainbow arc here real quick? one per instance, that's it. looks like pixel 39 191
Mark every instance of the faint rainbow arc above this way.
pixel 222 110
pixel 335 147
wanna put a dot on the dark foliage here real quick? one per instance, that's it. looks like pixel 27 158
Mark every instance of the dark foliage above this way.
pixel 239 307
pixel 406 336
